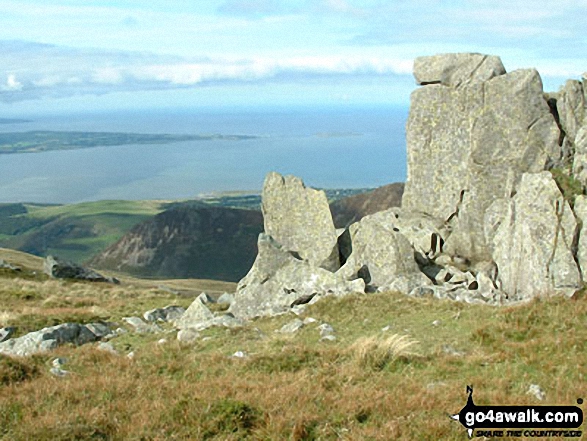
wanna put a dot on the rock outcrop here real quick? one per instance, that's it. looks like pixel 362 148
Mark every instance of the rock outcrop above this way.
pixel 61 269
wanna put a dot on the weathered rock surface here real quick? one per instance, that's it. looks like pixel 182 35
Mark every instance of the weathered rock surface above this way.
pixel 299 219
pixel 571 108
pixel 53 337
pixel 196 313
pixel 533 243
pixel 580 156
pixel 278 278
pixel 8 266
pixel 225 298
pixel 166 314
pixel 61 269
pixel 469 145
pixel 457 69
pixel 580 210
pixel 381 255
pixel 141 327
pixel 6 333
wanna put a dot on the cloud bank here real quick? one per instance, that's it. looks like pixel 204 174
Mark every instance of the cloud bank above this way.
pixel 33 70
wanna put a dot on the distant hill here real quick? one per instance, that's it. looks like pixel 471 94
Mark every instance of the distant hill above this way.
pixel 351 209
pixel 196 241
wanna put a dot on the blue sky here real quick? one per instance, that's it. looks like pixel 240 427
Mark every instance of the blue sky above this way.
pixel 69 55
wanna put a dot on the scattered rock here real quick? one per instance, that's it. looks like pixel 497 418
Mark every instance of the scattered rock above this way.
pixel 59 372
pixel 141 327
pixel 8 266
pixel 225 298
pixel 196 313
pixel 239 354
pixel 131 355
pixel 6 333
pixel 51 338
pixel 328 338
pixel 448 349
pixel 59 362
pixel 325 329
pixel 536 391
pixel 162 341
pixel 436 323
pixel 166 314
pixel 386 328
pixel 107 347
pixel 292 327
pixel 187 336
pixel 61 269
pixel 309 320
pixel 205 298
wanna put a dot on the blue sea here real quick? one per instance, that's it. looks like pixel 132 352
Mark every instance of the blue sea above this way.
pixel 328 148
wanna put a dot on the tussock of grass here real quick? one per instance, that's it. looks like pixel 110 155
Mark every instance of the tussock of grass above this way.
pixel 376 352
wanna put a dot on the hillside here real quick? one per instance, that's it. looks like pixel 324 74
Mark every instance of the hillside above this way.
pixel 188 241
pixel 351 209
pixel 397 368
pixel 76 232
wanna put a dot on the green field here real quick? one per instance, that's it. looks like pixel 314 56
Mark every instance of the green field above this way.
pixel 75 232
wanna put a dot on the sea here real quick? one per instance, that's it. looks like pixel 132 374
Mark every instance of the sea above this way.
pixel 327 147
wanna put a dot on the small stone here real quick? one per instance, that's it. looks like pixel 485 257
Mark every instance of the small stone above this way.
pixel 239 354
pixel 386 328
pixel 537 391
pixel 59 362
pixel 130 355
pixel 328 338
pixel 140 326
pixel 325 329
pixel 309 320
pixel 162 341
pixel 107 347
pixel 448 349
pixel 436 323
pixel 6 333
pixel 187 335
pixel 59 372
pixel 292 327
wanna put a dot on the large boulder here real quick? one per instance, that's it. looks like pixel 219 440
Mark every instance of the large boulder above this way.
pixel 469 145
pixel 457 69
pixel 571 108
pixel 279 278
pixel 580 210
pixel 381 255
pixel 533 242
pixel 580 156
pixel 61 269
pixel 299 219
pixel 53 337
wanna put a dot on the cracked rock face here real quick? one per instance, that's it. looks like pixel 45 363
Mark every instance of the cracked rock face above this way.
pixel 299 219
pixel 469 145
pixel 533 242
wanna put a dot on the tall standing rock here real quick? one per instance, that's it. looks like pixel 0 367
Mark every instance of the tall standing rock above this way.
pixel 471 134
pixel 299 219
pixel 533 242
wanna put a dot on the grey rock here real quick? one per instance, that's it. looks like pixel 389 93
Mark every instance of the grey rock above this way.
pixel 47 339
pixel 571 108
pixel 381 255
pixel 106 347
pixel 536 391
pixel 580 156
pixel 309 320
pixel 61 269
pixel 292 327
pixel 580 209
pixel 469 146
pixel 277 279
pixel 239 354
pixel 196 313
pixel 325 329
pixel 205 298
pixel 225 298
pixel 162 341
pixel 6 333
pixel 98 330
pixel 59 362
pixel 533 244
pixel 57 372
pixel 166 314
pixel 299 219
pixel 141 327
pixel 131 355
pixel 8 266
pixel 454 70
pixel 328 337
pixel 187 336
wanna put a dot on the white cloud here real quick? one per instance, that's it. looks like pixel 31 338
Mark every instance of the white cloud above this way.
pixel 11 84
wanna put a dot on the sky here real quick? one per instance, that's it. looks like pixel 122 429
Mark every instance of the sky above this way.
pixel 99 55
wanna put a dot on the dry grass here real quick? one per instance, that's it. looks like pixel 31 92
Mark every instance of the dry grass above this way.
pixel 376 352
pixel 367 385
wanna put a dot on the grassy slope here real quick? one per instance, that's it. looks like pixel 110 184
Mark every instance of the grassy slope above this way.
pixel 77 231
pixel 289 387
